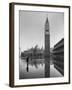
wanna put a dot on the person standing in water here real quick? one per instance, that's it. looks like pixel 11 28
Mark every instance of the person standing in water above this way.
pixel 27 60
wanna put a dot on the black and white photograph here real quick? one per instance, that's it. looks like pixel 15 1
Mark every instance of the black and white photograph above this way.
pixel 41 44
pixel 40 53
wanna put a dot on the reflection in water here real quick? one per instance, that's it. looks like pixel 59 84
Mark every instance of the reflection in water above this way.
pixel 47 67
pixel 31 68
pixel 36 68
pixel 27 69
pixel 27 60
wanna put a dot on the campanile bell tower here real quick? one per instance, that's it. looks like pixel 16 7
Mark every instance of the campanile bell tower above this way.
pixel 47 48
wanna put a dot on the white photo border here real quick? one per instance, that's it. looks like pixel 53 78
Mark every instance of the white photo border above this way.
pixel 37 81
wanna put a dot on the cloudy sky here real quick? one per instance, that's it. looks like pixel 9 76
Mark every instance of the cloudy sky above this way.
pixel 32 27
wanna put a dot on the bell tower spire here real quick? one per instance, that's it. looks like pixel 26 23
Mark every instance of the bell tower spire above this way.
pixel 47 24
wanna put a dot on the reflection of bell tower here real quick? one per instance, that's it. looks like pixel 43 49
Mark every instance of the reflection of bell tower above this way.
pixel 47 49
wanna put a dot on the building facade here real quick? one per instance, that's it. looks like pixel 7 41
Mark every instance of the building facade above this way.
pixel 58 56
